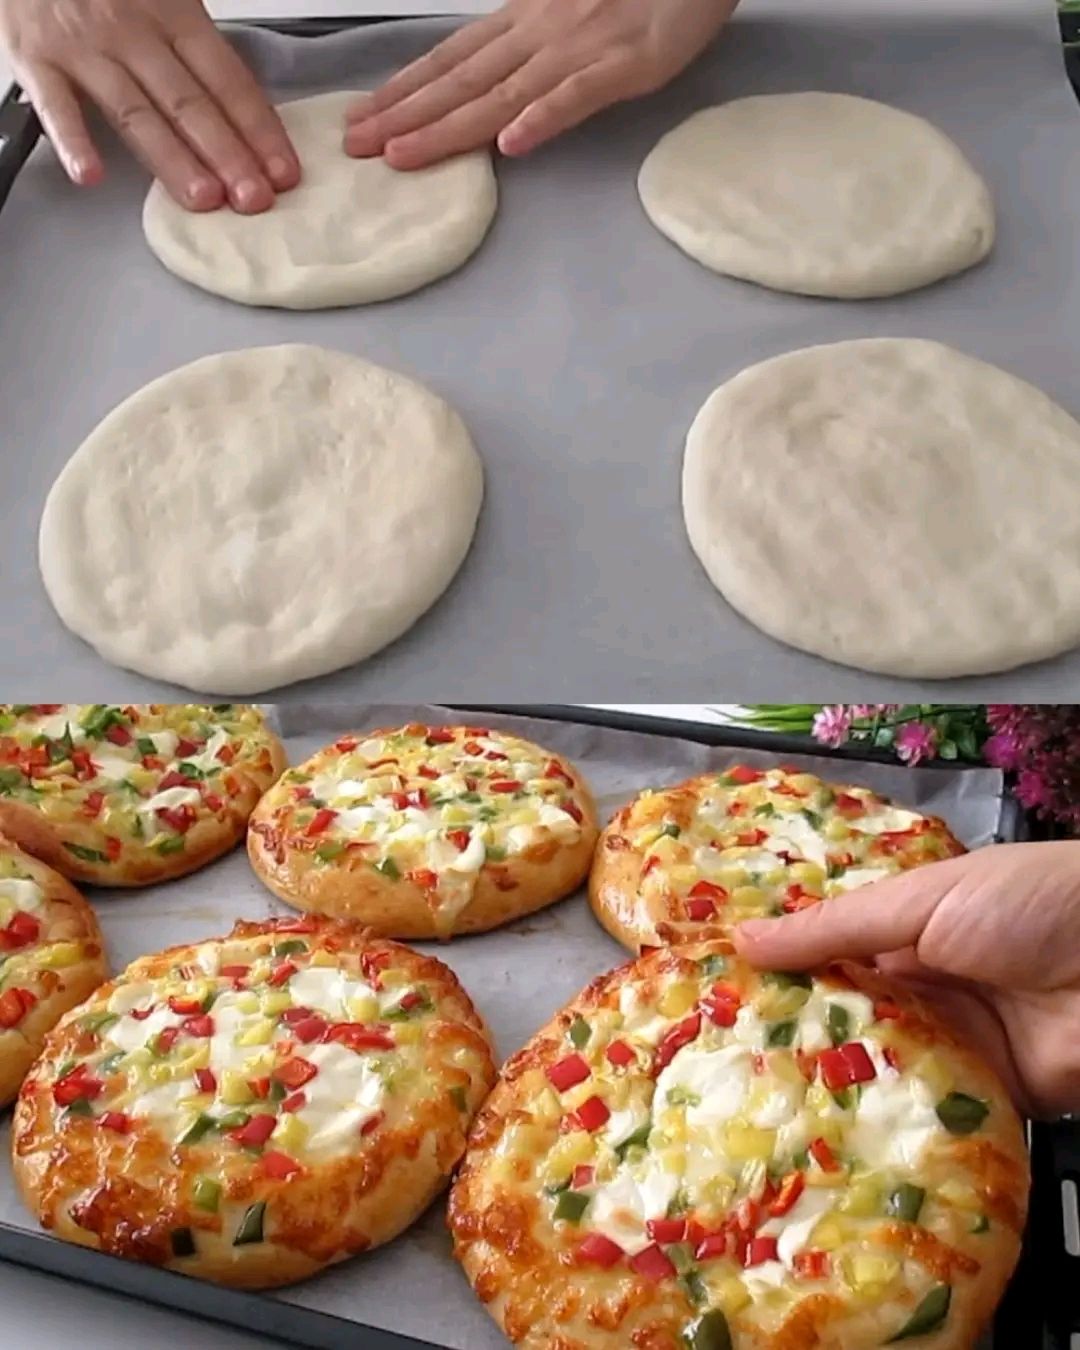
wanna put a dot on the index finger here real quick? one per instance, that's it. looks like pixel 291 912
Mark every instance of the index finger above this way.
pixel 882 917
pixel 222 73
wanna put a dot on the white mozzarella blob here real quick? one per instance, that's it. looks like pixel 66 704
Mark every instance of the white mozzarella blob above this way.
pixel 888 820
pixel 327 990
pixel 129 1033
pixel 165 742
pixel 894 1122
pixel 794 834
pixel 621 1208
pixel 344 1094
pixel 160 1101
pixel 22 893
pixel 859 876
pixel 718 1079
pixel 793 1229
pixel 67 719
pixel 472 858
pixel 110 765
pixel 229 1021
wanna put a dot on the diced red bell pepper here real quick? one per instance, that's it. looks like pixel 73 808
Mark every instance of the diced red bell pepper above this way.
pixel 255 1133
pixel 751 838
pixel 22 930
pixel 166 1039
pixel 505 785
pixel 306 923
pixel 356 1037
pixel 185 748
pixel 584 1175
pixel 279 1166
pixel 91 807
pixel 140 1014
pixel 310 1029
pixel 14 1005
pixel 573 810
pixel 260 1088
pixel 439 736
pixel 650 864
pixel 234 972
pixel 423 877
pixel 848 805
pixel 620 1054
pixel 687 1030
pixel 785 1198
pixel 459 838
pixel 885 1010
pixel 294 1073
pixel 200 1027
pixel 178 818
pixel 212 801
pixel 746 1216
pixel 320 822
pixel 652 1264
pixel 113 847
pixel 426 771
pixel 346 744
pixel 226 754
pixel 174 779
pixel 567 1073
pixel 708 890
pixel 698 911
pixel 83 765
pixel 291 1016
pixel 721 1005
pixel 411 1000
pixel 810 1265
pixel 666 1230
pixel 713 1245
pixel 593 1114
pixel 372 964
pixel 823 1155
pixel 743 774
pixel 797 899
pixel 46 709
pixel 77 1086
pixel 205 1080
pixel 761 1249
pixel 282 973
pixel 553 769
pixel 892 1059
pixel 185 1005
pixel 372 1123
pixel 115 1121
pixel 598 1250
pixel 296 1102
pixel 845 1066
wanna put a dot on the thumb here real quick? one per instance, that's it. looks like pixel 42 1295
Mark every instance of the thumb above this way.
pixel 882 917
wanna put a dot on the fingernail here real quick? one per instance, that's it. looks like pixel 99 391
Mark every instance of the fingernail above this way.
pixel 205 194
pixel 250 195
pixel 282 173
pixel 360 140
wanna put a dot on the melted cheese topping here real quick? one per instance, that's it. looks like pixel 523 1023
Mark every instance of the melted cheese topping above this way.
pixel 435 805
pixel 766 842
pixel 100 767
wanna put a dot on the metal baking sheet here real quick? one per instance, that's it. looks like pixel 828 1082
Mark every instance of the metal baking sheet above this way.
pixel 518 976
pixel 578 345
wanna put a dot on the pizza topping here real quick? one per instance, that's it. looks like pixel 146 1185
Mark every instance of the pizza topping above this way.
pixel 927 1317
pixel 768 841
pixel 434 806
pixel 130 777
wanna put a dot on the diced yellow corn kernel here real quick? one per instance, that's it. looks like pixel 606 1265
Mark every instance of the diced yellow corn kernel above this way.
pixel 825 1180
pixel 808 874
pixel 56 808
pixel 683 875
pixel 747 1143
pixel 863 1199
pixel 455 815
pixel 393 979
pixel 959 1194
pixel 572 1150
pixel 748 897
pixel 678 998
pixel 233 1089
pixel 259 1033
pixel 836 829
pixel 247 1001
pixel 827 1236
pixel 159 1073
pixel 869 1270
pixel 274 1001
pixel 782 1064
pixel 321 958
pixel 142 778
pixel 776 877
pixel 731 1296
pixel 60 955
pixel 364 1009
pixel 409 1033
pixel 774 1002
pixel 291 1133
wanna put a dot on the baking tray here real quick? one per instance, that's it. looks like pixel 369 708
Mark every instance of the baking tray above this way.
pixel 578 345
pixel 373 1300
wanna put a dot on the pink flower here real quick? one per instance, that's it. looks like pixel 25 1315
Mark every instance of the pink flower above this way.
pixel 1034 790
pixel 832 724
pixel 1002 751
pixel 915 741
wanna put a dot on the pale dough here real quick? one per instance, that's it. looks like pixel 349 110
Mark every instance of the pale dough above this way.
pixel 260 517
pixel 819 194
pixel 355 231
pixel 892 505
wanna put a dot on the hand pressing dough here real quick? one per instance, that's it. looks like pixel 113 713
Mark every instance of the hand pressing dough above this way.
pixel 354 231
pixel 892 505
pixel 819 194
pixel 260 517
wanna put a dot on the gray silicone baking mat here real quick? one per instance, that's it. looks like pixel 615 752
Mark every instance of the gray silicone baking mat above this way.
pixel 578 345
pixel 518 976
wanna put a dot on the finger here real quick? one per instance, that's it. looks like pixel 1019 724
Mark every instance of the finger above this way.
pixel 468 82
pixel 196 117
pixel 149 136
pixel 479 122
pixel 882 917
pixel 440 61
pixel 570 103
pixel 222 73
pixel 62 118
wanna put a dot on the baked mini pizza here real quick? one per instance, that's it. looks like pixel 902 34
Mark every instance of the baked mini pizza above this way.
pixel 51 958
pixel 128 795
pixel 690 861
pixel 696 1156
pixel 424 832
pixel 253 1108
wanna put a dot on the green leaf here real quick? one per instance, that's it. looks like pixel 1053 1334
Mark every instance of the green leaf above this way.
pixel 947 749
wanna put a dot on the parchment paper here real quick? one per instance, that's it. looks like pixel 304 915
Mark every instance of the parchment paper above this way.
pixel 578 345
pixel 517 976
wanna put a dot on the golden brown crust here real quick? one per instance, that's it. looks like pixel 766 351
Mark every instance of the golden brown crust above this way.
pixel 44 975
pixel 130 1187
pixel 527 1268
pixel 707 874
pixel 413 902
pixel 81 823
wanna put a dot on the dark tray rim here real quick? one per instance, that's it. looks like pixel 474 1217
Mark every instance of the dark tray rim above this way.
pixel 1055 1150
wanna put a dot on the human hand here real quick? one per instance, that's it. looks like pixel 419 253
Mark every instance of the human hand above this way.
pixel 167 81
pixel 991 939
pixel 534 69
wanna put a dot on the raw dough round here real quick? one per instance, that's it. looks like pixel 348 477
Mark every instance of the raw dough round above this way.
pixel 892 505
pixel 819 194
pixel 260 517
pixel 353 232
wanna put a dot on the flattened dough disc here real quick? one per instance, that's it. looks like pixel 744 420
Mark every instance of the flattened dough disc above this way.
pixel 892 505
pixel 260 517
pixel 354 231
pixel 819 194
